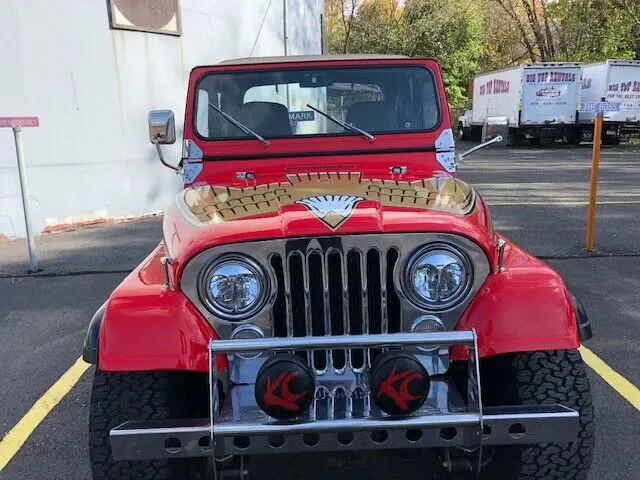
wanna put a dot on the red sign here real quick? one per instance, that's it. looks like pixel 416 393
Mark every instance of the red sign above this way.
pixel 19 122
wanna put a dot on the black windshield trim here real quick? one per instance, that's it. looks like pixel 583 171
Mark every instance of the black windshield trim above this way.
pixel 267 68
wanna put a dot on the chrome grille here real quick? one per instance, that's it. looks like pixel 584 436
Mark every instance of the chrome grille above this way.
pixel 332 292
pixel 371 305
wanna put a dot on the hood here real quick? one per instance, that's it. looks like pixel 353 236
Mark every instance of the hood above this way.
pixel 321 204
pixel 331 197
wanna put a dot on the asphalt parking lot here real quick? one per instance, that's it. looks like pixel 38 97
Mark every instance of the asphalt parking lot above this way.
pixel 538 198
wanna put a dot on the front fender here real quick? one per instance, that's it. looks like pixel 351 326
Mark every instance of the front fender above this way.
pixel 147 327
pixel 525 308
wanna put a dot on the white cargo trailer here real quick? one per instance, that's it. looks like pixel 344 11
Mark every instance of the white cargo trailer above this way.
pixel 540 100
pixel 616 81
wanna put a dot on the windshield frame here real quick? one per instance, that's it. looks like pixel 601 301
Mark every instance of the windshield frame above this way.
pixel 316 66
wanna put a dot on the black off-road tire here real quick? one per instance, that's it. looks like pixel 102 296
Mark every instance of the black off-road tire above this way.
pixel 611 139
pixel 158 395
pixel 557 376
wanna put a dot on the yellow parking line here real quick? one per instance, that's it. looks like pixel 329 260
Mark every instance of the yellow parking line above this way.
pixel 620 384
pixel 13 441
pixel 18 435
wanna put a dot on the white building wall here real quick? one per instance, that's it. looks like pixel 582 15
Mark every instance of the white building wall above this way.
pixel 92 88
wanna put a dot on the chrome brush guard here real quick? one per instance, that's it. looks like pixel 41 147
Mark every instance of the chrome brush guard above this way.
pixel 343 415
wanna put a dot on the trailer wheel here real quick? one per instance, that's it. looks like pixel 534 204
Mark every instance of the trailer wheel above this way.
pixel 571 136
pixel 611 139
pixel 119 397
pixel 512 137
pixel 541 378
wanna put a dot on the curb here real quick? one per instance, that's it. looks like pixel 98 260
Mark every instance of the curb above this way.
pixel 98 222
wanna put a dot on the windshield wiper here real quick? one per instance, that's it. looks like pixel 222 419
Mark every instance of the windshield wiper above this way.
pixel 348 126
pixel 240 125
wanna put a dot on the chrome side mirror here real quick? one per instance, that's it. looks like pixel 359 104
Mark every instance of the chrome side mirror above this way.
pixel 162 127
pixel 461 156
pixel 162 131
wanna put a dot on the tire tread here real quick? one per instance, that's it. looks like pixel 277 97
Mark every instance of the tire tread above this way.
pixel 116 398
pixel 548 377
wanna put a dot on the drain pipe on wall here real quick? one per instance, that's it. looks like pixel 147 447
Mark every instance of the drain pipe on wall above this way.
pixel 16 124
pixel 285 40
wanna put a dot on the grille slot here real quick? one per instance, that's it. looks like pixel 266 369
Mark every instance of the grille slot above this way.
pixel 331 292
pixel 318 299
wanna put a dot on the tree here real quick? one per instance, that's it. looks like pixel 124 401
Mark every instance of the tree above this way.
pixel 449 32
pixel 426 28
pixel 339 19
pixel 469 36
pixel 592 30
pixel 560 30
pixel 533 24
pixel 378 27
pixel 632 9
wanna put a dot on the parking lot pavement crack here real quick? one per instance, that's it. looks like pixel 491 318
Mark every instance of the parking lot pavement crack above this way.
pixel 585 256
pixel 66 274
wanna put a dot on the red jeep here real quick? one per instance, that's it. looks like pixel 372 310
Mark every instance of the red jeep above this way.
pixel 325 282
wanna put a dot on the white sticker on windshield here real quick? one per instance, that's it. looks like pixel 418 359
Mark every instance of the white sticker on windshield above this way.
pixel 302 116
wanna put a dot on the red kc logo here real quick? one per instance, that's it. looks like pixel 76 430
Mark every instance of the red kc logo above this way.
pixel 287 399
pixel 400 392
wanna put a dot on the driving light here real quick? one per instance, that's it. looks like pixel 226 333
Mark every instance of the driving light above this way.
pixel 234 288
pixel 438 277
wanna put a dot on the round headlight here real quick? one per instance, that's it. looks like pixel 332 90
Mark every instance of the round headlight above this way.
pixel 234 288
pixel 438 277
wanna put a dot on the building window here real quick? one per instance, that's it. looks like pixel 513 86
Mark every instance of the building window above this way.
pixel 157 16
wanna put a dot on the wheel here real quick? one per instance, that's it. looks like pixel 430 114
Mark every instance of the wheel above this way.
pixel 611 139
pixel 571 136
pixel 119 397
pixel 461 135
pixel 557 376
pixel 512 137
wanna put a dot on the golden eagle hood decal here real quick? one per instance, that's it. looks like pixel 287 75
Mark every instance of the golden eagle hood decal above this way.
pixel 331 197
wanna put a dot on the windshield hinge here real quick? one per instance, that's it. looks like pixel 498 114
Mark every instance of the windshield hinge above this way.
pixel 248 177
pixel 397 172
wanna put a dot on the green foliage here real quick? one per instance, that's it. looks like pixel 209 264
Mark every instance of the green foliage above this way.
pixel 591 30
pixel 471 36
pixel 451 34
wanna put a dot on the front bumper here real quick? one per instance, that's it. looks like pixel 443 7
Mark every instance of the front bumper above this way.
pixel 343 415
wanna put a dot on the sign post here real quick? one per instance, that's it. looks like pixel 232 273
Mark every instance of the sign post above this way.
pixel 599 108
pixel 17 123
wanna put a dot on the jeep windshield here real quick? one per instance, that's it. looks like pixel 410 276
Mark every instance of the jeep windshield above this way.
pixel 290 103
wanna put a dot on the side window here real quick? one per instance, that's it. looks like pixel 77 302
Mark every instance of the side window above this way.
pixel 429 104
pixel 202 113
